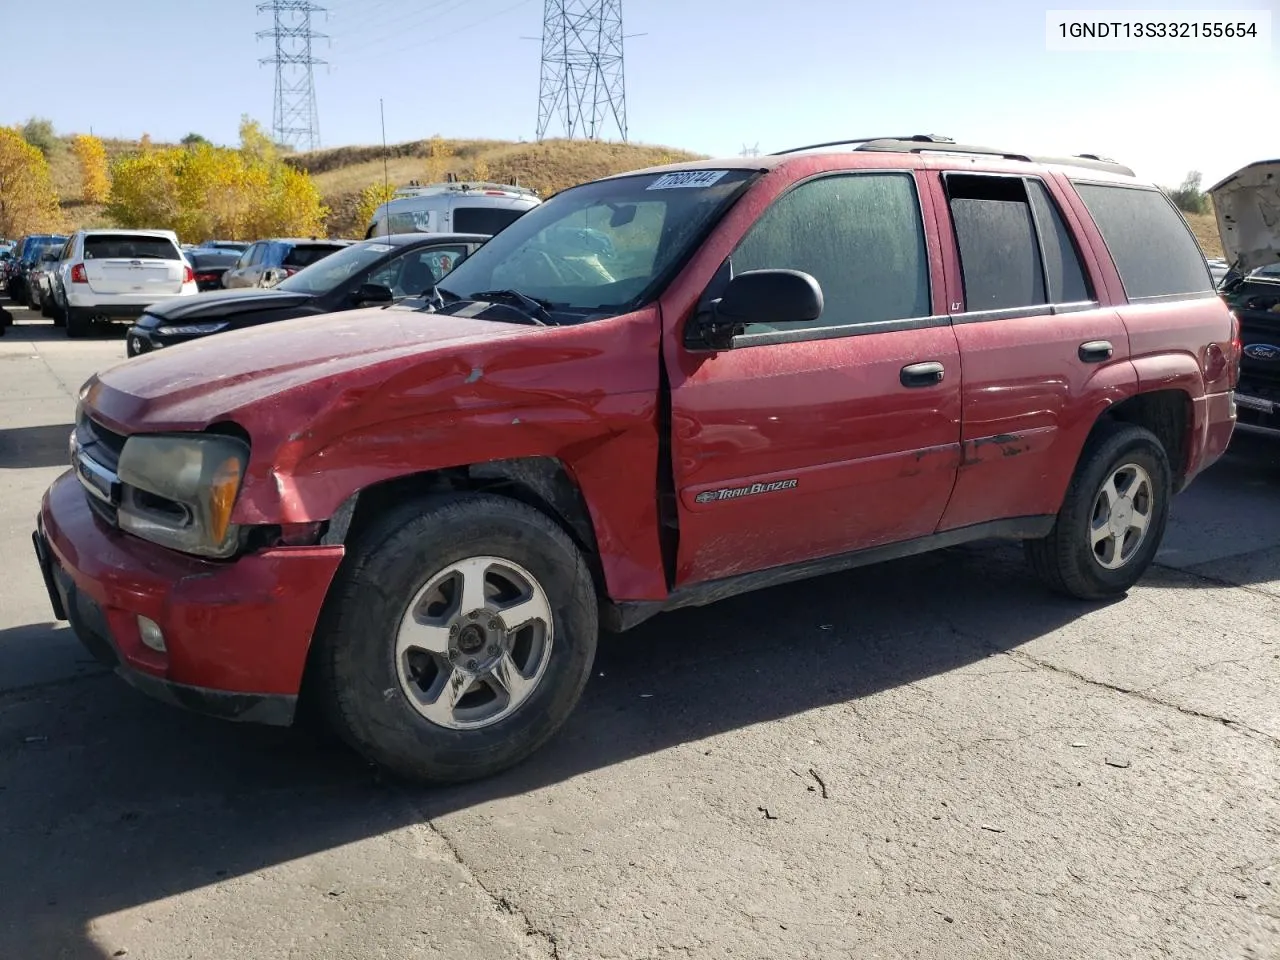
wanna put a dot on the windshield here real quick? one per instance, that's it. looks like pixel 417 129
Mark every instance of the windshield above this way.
pixel 600 247
pixel 335 269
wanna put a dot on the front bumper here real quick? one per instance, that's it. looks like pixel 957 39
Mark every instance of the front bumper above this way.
pixel 1258 403
pixel 236 633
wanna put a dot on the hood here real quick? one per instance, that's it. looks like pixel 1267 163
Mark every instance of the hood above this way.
pixel 225 303
pixel 1247 204
pixel 190 385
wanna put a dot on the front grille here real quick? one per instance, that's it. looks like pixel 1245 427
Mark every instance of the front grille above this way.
pixel 103 445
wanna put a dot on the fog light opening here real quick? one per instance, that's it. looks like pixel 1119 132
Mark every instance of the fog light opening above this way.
pixel 151 634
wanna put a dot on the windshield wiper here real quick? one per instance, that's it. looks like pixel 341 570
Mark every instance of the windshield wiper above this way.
pixel 435 297
pixel 537 308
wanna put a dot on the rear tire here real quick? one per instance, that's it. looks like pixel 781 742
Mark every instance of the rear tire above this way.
pixel 1112 519
pixel 77 323
pixel 411 578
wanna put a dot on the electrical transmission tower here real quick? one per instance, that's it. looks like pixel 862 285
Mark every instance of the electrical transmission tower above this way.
pixel 583 84
pixel 295 120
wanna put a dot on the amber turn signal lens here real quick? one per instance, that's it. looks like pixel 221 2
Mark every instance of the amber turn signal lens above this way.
pixel 222 497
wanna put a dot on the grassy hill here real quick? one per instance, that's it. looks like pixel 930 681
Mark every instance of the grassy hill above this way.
pixel 342 172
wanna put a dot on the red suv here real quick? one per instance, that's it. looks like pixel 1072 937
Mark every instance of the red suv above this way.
pixel 654 390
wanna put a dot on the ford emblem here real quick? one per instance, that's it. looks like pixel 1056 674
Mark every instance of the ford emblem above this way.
pixel 1262 351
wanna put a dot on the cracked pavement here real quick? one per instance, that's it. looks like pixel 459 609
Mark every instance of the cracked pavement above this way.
pixel 1006 773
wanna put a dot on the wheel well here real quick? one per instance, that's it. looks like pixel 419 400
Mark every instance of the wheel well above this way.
pixel 1167 414
pixel 541 482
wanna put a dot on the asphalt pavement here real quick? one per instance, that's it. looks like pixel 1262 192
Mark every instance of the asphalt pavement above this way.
pixel 930 758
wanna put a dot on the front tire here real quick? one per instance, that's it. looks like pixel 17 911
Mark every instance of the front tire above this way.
pixel 1113 518
pixel 457 637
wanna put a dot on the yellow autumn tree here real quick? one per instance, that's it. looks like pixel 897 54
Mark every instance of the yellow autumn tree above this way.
pixel 144 191
pixel 202 191
pixel 480 170
pixel 28 202
pixel 439 158
pixel 371 198
pixel 94 177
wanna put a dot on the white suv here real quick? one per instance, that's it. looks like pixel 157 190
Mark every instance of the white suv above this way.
pixel 116 274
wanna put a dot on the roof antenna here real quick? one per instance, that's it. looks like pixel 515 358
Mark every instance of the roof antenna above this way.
pixel 386 175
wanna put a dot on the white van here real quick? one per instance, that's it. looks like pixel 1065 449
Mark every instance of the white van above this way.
pixel 461 207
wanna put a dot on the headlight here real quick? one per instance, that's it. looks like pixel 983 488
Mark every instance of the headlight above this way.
pixel 179 491
pixel 191 329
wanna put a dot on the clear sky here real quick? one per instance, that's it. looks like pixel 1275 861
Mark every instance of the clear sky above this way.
pixel 707 75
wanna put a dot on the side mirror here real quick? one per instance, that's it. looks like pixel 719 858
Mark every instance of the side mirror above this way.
pixel 373 293
pixel 50 258
pixel 761 296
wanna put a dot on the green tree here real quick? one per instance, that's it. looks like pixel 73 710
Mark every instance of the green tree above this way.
pixel 40 134
pixel 193 139
pixel 1189 197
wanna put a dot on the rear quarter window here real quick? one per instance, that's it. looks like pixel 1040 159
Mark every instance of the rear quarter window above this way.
pixel 304 255
pixel 487 220
pixel 1154 251
pixel 103 246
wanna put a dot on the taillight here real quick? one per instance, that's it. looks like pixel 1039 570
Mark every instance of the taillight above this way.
pixel 187 275
pixel 206 277
pixel 78 275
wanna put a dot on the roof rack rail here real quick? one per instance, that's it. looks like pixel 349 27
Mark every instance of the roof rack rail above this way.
pixel 934 143
pixel 910 138
pixel 1092 161
pixel 895 145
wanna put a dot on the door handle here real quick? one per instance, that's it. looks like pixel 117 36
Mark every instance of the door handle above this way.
pixel 922 374
pixel 1096 351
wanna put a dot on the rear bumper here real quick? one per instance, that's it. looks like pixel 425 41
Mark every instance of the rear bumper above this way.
pixel 118 307
pixel 236 634
pixel 1213 423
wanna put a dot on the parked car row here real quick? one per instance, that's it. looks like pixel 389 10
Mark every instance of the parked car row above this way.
pixel 362 273
pixel 26 253
pixel 108 275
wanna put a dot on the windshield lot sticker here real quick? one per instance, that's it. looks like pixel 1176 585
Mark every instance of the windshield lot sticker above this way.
pixel 734 493
pixel 686 178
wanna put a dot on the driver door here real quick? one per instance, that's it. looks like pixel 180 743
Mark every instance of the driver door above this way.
pixel 810 440
pixel 419 270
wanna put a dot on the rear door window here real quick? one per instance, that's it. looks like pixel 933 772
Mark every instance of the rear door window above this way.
pixel 103 246
pixel 995 231
pixel 1015 249
pixel 486 220
pixel 1154 250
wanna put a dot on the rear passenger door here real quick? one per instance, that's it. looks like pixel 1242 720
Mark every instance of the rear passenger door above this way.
pixel 812 440
pixel 235 277
pixel 1042 353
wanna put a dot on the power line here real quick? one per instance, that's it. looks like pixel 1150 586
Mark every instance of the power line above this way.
pixel 582 80
pixel 436 37
pixel 416 23
pixel 295 118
